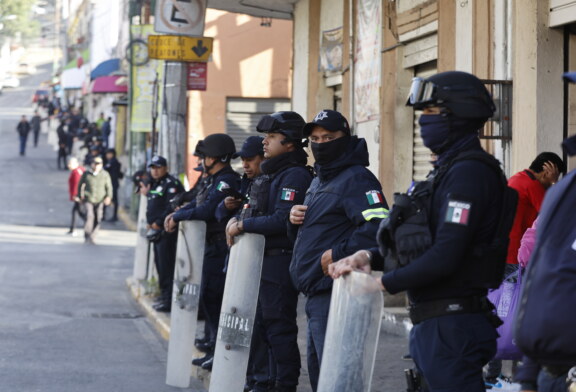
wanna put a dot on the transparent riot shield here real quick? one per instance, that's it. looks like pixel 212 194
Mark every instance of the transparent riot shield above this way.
pixel 352 335
pixel 141 251
pixel 185 299
pixel 237 314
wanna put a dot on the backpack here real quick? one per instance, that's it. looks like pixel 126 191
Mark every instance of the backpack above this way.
pixel 546 319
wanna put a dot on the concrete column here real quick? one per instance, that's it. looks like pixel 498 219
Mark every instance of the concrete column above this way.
pixel 537 70
pixel 464 35
pixel 300 60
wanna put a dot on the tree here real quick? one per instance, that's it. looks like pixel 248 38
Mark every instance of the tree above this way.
pixel 16 16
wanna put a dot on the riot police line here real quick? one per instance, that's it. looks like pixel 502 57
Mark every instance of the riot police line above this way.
pixel 247 246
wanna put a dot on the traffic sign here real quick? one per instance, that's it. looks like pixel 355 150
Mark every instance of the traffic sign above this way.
pixel 184 17
pixel 197 76
pixel 179 48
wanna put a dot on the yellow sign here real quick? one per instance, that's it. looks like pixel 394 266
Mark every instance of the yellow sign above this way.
pixel 179 48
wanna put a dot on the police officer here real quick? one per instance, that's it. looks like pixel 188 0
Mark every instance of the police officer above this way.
pixel 252 155
pixel 339 216
pixel 454 333
pixel 283 184
pixel 159 192
pixel 216 152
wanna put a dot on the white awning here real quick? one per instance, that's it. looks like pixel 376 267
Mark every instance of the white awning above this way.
pixel 73 78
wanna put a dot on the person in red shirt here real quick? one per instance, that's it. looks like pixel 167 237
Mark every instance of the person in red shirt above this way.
pixel 76 172
pixel 531 184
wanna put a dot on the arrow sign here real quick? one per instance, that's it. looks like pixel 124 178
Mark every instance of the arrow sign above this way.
pixel 179 48
pixel 199 49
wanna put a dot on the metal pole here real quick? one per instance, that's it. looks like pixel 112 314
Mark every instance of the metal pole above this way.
pixel 172 141
pixel 154 115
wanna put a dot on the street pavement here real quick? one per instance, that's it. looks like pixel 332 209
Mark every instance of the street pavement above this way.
pixel 68 322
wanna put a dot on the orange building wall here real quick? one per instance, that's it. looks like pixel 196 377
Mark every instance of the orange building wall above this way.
pixel 248 60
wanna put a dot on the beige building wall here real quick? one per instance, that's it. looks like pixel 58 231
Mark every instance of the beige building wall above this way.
pixel 248 60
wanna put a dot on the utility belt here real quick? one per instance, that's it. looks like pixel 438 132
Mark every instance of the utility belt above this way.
pixel 442 307
pixel 211 239
pixel 277 252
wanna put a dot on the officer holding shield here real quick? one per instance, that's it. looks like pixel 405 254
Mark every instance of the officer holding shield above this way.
pixel 339 216
pixel 216 152
pixel 448 270
pixel 283 183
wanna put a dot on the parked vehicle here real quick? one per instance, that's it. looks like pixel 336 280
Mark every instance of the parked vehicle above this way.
pixel 39 94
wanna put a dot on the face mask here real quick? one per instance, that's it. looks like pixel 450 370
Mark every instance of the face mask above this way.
pixel 434 129
pixel 327 152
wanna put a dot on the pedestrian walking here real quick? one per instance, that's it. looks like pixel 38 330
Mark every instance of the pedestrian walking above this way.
pixel 216 152
pixel 76 172
pixel 35 123
pixel 62 145
pixel 453 247
pixel 114 168
pixel 283 183
pixel 106 130
pixel 160 191
pixel 340 215
pixel 94 191
pixel 23 129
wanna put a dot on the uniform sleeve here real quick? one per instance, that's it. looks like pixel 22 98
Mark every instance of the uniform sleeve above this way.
pixel 463 201
pixel 207 210
pixel 223 213
pixel 171 189
pixel 365 206
pixel 291 190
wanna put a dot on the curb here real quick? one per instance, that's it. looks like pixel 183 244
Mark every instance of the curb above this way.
pixel 161 322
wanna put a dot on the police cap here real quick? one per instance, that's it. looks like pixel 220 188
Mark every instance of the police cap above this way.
pixel 158 161
pixel 252 146
pixel 328 119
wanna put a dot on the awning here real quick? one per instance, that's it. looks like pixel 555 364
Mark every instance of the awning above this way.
pixel 105 68
pixel 72 78
pixel 107 84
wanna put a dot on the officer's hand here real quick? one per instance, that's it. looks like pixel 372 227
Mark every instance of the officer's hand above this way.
pixel 297 214
pixel 326 261
pixel 155 226
pixel 169 224
pixel 232 230
pixel 358 261
pixel 231 203
pixel 107 201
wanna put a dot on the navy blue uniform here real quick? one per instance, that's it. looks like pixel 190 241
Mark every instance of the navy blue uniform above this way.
pixel 161 192
pixel 283 185
pixel 213 277
pixel 345 206
pixel 450 350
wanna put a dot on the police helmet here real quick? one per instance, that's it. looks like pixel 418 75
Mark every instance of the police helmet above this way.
pixel 463 94
pixel 217 145
pixel 289 124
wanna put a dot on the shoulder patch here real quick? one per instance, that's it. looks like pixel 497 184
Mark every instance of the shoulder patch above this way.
pixel 288 194
pixel 222 185
pixel 458 212
pixel 374 197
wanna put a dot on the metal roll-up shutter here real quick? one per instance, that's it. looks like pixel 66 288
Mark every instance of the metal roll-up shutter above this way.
pixel 243 114
pixel 421 154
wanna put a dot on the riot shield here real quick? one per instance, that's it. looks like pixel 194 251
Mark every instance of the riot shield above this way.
pixel 237 314
pixel 185 297
pixel 141 251
pixel 352 335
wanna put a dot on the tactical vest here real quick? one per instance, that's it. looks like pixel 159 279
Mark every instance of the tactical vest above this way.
pixel 203 191
pixel 406 234
pixel 257 204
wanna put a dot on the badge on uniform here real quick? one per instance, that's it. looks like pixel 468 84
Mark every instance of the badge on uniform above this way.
pixel 222 185
pixel 374 197
pixel 288 194
pixel 171 190
pixel 458 212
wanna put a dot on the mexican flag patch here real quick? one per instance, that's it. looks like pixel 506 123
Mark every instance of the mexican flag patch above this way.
pixel 222 185
pixel 458 212
pixel 288 194
pixel 374 197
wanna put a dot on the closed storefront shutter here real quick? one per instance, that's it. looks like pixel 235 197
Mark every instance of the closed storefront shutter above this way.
pixel 243 114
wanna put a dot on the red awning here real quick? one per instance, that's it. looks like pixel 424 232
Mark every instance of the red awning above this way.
pixel 107 84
